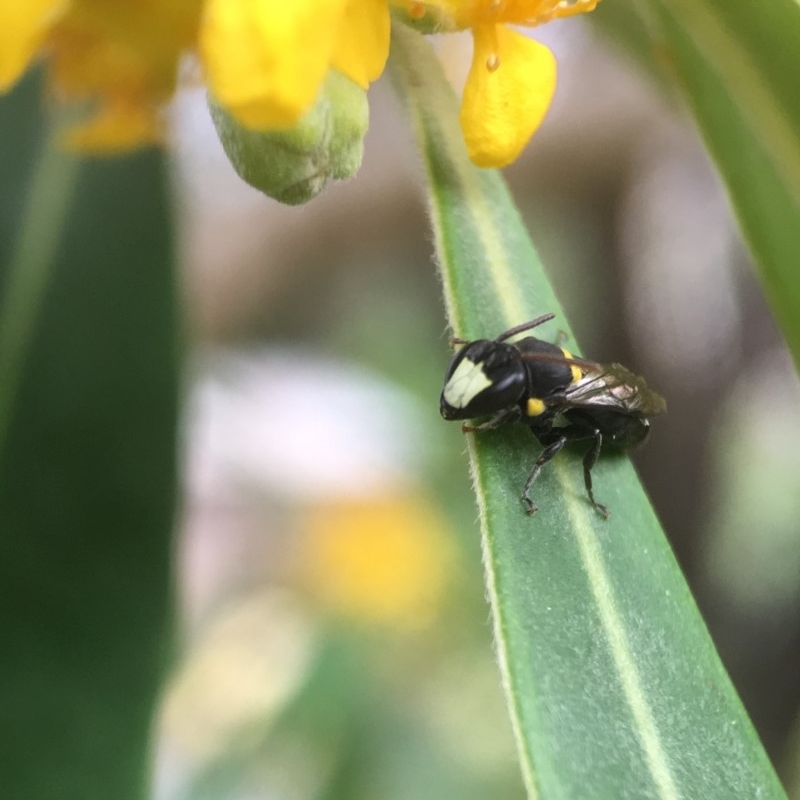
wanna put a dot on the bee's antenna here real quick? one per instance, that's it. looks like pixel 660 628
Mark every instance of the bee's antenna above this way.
pixel 525 326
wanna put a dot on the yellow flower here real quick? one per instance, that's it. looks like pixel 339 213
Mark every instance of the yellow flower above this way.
pixel 122 56
pixel 377 560
pixel 265 60
pixel 512 77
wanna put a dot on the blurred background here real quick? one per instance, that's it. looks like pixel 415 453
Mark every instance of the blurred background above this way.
pixel 335 639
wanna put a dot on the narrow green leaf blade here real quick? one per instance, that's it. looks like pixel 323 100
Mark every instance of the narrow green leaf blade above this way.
pixel 614 688
pixel 752 48
pixel 87 475
pixel 737 62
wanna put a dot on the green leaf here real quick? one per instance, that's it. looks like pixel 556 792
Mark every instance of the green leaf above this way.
pixel 88 380
pixel 613 685
pixel 737 62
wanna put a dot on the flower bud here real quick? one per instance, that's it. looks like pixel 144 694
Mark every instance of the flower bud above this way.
pixel 293 165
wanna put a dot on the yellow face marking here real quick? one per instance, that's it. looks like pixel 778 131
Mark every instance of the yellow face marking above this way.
pixel 535 406
pixel 468 380
pixel 577 374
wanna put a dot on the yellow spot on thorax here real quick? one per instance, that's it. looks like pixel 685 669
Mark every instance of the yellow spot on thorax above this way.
pixel 535 406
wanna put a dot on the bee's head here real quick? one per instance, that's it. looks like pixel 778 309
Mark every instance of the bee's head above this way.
pixel 483 378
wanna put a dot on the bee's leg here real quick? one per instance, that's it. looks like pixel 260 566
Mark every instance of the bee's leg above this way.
pixel 589 460
pixel 499 419
pixel 552 447
pixel 456 342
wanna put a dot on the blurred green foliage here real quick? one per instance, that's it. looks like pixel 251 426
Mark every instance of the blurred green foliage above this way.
pixel 87 477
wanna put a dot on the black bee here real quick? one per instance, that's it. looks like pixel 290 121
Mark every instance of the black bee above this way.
pixel 561 398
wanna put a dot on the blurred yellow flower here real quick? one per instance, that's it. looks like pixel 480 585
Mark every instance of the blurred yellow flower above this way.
pixel 121 56
pixel 377 561
pixel 512 78
pixel 23 26
pixel 265 61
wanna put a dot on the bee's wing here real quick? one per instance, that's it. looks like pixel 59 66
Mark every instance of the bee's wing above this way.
pixel 614 387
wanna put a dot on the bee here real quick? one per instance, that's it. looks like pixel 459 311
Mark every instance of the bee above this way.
pixel 560 397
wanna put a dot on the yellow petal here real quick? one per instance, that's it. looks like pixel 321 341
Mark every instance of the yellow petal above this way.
pixel 473 13
pixel 116 128
pixel 507 93
pixel 24 25
pixel 265 60
pixel 362 45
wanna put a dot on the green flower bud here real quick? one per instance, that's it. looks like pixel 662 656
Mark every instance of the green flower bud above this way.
pixel 294 165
